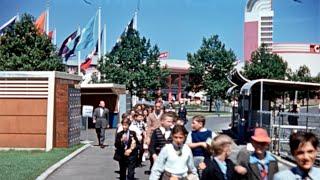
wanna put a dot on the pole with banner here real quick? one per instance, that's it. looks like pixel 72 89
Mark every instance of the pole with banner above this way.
pixel 87 111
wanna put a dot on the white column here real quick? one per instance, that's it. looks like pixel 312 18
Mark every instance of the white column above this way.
pixel 79 62
pixel 261 101
pixel 50 111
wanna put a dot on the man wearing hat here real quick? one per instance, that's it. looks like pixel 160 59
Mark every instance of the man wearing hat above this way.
pixel 260 164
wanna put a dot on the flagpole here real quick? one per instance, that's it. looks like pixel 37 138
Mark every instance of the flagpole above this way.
pixel 104 39
pixel 99 31
pixel 47 18
pixel 55 36
pixel 79 60
pixel 79 55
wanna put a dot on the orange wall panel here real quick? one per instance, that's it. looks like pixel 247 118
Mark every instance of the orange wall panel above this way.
pixel 23 124
pixel 23 107
pixel 23 140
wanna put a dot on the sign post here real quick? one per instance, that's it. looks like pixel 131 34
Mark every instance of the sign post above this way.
pixel 87 111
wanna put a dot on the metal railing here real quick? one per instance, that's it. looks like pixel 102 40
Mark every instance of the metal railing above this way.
pixel 280 129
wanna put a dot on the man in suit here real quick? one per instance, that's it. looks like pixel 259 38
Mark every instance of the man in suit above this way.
pixel 100 119
pixel 182 112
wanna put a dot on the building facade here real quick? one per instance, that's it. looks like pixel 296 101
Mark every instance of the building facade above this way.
pixel 258 26
pixel 258 29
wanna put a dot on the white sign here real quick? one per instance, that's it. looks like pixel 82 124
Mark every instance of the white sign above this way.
pixel 87 111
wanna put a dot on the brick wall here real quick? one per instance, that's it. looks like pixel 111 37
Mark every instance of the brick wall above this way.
pixel 60 137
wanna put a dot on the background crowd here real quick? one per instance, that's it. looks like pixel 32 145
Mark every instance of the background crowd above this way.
pixel 158 134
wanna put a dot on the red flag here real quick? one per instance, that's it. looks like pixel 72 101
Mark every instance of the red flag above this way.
pixel 163 55
pixel 86 64
pixel 50 35
pixel 40 22
pixel 314 48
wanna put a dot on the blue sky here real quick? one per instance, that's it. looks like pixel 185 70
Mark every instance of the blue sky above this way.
pixel 176 26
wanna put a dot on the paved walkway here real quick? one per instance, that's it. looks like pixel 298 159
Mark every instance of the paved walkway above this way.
pixel 96 163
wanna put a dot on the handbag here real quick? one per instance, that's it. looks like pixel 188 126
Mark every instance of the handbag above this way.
pixel 117 156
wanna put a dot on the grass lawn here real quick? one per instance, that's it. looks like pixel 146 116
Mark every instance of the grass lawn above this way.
pixel 30 164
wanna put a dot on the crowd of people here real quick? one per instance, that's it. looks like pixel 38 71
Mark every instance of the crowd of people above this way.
pixel 159 135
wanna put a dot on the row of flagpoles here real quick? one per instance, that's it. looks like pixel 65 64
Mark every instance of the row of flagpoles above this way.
pixel 80 39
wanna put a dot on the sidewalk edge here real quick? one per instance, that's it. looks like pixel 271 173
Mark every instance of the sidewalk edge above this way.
pixel 54 167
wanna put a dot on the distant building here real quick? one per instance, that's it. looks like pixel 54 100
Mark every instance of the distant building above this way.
pixel 258 29
pixel 177 80
pixel 258 26
pixel 300 54
pixel 176 83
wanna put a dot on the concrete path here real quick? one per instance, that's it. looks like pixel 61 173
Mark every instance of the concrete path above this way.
pixel 96 163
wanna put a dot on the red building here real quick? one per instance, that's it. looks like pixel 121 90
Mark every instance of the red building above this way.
pixel 177 80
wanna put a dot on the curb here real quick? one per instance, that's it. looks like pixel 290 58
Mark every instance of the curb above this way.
pixel 54 167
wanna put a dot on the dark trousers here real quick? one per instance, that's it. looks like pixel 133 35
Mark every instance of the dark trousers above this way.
pixel 101 135
pixel 140 152
pixel 128 164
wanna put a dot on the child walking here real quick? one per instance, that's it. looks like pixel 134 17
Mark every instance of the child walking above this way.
pixel 126 149
pixel 199 140
pixel 219 166
pixel 175 160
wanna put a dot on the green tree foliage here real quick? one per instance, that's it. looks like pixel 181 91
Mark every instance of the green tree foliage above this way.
pixel 265 65
pixel 134 63
pixel 209 68
pixel 23 48
pixel 316 79
pixel 302 74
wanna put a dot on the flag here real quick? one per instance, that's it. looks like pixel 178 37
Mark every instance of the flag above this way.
pixel 130 25
pixel 95 52
pixel 8 24
pixel 72 46
pixel 64 49
pixel 163 55
pixel 88 34
pixel 50 35
pixel 87 2
pixel 40 22
pixel 86 64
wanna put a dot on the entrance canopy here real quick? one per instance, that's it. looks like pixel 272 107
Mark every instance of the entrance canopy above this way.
pixel 108 88
pixel 237 80
pixel 279 85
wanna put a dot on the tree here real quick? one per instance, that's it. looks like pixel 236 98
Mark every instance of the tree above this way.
pixel 209 68
pixel 265 65
pixel 302 74
pixel 316 79
pixel 23 48
pixel 134 63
